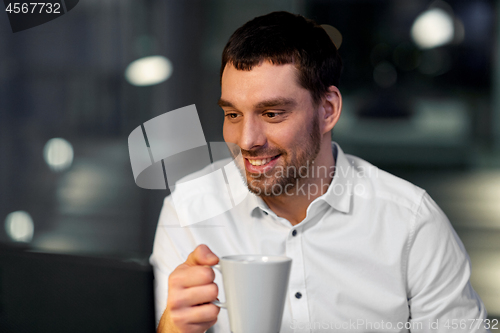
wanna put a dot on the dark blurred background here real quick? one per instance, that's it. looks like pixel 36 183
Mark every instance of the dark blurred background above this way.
pixel 421 89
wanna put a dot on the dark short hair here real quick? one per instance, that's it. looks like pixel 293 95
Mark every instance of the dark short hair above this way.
pixel 284 38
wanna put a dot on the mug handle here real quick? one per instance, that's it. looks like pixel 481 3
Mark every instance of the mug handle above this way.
pixel 218 303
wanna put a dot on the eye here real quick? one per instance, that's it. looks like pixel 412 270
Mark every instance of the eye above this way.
pixel 231 115
pixel 275 115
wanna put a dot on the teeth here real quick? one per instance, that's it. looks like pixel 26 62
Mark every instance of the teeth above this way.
pixel 260 162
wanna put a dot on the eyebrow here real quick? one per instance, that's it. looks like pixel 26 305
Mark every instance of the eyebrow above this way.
pixel 264 104
pixel 223 103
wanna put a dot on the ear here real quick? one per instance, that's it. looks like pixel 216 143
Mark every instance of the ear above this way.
pixel 330 109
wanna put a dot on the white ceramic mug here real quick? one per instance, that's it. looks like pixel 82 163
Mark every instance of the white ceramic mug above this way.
pixel 255 287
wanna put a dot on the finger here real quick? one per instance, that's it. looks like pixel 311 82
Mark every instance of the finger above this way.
pixel 201 327
pixel 190 276
pixel 202 255
pixel 194 296
pixel 195 319
pixel 202 313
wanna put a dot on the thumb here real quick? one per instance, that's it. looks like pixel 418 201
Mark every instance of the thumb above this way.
pixel 202 255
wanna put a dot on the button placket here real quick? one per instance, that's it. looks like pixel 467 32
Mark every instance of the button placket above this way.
pixel 297 287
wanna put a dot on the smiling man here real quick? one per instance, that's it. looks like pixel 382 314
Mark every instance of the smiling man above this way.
pixel 280 129
pixel 370 251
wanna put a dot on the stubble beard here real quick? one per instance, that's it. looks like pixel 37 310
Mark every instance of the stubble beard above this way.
pixel 270 184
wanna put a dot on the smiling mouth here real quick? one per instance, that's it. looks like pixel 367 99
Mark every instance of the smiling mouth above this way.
pixel 264 161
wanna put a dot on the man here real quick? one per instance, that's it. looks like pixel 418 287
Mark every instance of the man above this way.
pixel 370 251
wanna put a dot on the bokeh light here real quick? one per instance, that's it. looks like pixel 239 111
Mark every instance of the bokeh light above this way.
pixel 58 154
pixel 334 34
pixel 433 28
pixel 148 71
pixel 19 226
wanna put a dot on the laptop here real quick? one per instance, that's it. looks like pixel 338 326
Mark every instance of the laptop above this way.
pixel 43 292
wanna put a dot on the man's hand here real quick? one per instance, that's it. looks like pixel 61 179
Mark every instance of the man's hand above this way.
pixel 190 291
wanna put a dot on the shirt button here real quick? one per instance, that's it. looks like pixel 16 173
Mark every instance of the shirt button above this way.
pixel 294 233
pixel 298 295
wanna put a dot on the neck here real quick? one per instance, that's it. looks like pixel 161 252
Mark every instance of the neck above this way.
pixel 293 206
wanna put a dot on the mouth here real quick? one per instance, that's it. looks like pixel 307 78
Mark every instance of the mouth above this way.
pixel 261 161
pixel 259 165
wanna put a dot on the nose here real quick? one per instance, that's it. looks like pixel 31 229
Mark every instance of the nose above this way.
pixel 252 134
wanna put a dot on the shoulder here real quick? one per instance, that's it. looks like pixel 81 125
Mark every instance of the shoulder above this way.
pixel 399 200
pixel 375 183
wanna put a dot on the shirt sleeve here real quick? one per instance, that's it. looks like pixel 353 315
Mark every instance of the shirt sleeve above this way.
pixel 166 254
pixel 440 296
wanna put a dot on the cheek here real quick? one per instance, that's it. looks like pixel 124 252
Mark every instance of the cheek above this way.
pixel 231 133
pixel 227 132
pixel 288 136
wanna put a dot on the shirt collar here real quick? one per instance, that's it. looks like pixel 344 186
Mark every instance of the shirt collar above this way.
pixel 254 202
pixel 338 194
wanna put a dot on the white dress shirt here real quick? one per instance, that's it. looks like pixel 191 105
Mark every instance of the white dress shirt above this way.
pixel 374 254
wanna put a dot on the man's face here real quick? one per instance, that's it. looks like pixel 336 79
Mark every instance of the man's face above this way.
pixel 275 123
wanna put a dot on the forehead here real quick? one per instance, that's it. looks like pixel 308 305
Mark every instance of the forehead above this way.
pixel 263 81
